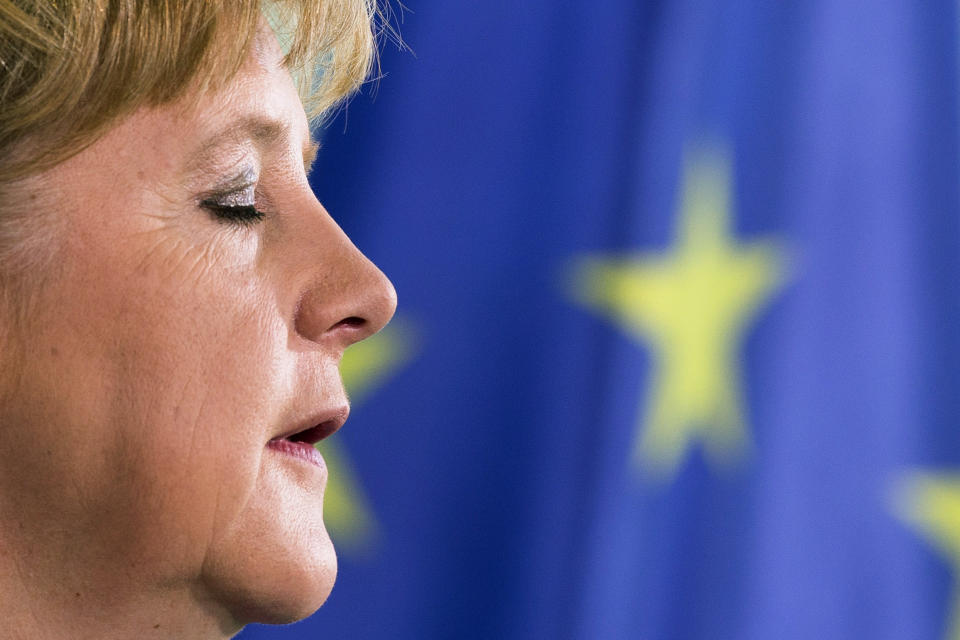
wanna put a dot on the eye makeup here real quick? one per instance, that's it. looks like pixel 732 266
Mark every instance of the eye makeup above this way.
pixel 235 201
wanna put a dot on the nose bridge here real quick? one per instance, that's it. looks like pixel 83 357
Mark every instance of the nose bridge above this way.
pixel 346 297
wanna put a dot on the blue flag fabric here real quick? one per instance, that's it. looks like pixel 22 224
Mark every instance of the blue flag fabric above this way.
pixel 680 313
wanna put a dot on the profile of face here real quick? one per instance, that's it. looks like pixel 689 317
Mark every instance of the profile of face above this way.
pixel 191 322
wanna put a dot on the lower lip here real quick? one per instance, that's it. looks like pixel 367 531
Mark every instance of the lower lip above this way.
pixel 301 450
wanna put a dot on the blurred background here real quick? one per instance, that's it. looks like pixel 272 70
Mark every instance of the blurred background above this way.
pixel 678 341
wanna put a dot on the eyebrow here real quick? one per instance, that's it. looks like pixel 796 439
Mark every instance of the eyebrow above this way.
pixel 263 132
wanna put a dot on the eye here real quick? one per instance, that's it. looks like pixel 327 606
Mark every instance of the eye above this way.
pixel 237 207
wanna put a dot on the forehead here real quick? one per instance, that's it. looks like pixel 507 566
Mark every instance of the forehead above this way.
pixel 258 108
pixel 260 105
pixel 177 147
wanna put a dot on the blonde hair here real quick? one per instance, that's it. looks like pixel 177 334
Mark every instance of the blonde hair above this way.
pixel 71 68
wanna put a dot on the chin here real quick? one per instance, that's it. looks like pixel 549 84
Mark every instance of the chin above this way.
pixel 289 600
pixel 271 584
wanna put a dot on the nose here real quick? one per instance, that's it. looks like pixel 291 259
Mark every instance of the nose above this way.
pixel 348 299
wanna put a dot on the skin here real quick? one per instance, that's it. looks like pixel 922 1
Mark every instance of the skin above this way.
pixel 164 350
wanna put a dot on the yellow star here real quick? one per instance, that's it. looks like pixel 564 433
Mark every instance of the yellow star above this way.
pixel 345 508
pixel 691 306
pixel 930 502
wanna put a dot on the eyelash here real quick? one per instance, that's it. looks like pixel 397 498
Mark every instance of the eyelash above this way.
pixel 235 206
pixel 244 214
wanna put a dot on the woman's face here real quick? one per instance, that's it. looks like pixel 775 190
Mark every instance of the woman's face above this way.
pixel 176 338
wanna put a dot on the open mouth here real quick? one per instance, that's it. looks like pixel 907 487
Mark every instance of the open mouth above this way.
pixel 300 443
pixel 313 435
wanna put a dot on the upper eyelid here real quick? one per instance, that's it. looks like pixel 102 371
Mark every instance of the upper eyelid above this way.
pixel 242 197
pixel 241 186
pixel 232 187
pixel 246 177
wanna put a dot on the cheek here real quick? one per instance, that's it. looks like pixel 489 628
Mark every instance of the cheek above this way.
pixel 201 377
pixel 141 413
pixel 185 369
pixel 212 377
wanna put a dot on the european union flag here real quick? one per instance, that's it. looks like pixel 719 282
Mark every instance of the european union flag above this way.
pixel 678 344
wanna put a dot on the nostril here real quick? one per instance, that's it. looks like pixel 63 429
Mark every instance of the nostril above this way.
pixel 352 321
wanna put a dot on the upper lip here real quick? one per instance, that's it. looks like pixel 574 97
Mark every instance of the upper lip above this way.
pixel 315 427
